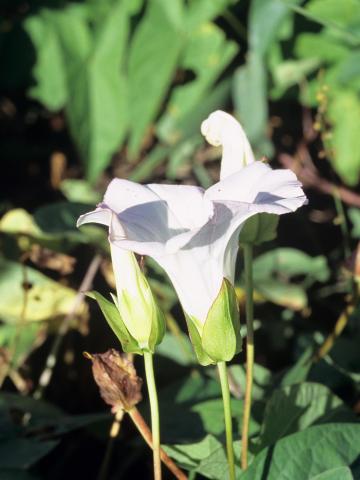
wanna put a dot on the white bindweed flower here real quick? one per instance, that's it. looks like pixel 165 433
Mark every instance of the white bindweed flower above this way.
pixel 191 232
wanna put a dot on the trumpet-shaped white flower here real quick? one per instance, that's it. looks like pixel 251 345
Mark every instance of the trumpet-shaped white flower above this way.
pixel 191 232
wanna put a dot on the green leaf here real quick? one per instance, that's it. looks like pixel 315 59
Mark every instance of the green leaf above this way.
pixel 191 455
pixel 283 294
pixel 296 407
pixel 262 379
pixel 354 215
pixel 31 337
pixel 342 18
pixel 259 228
pixel 97 109
pixel 220 336
pixel 265 19
pixel 201 11
pixel 153 57
pixel 344 114
pixel 79 191
pixel 290 262
pixel 250 98
pixel 307 454
pixel 339 473
pixel 206 54
pixel 322 46
pixel 112 316
pixel 300 370
pixel 45 299
pixel 49 69
pixel 176 348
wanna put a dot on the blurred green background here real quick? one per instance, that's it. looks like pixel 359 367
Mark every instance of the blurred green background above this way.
pixel 94 89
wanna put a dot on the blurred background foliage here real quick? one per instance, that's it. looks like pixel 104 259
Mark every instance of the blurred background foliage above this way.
pixel 90 90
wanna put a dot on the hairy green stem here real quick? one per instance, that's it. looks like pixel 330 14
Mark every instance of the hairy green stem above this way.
pixel 154 407
pixel 228 420
pixel 249 290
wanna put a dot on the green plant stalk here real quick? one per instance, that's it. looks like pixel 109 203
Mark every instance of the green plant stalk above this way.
pixel 228 419
pixel 249 291
pixel 154 408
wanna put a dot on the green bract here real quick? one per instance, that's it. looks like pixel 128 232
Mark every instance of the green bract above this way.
pixel 218 339
pixel 118 324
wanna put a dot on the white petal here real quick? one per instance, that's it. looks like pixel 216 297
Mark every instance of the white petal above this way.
pixel 220 128
pixel 272 191
pixel 186 203
pixel 100 215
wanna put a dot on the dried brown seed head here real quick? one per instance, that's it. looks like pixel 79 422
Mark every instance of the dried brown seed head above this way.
pixel 116 377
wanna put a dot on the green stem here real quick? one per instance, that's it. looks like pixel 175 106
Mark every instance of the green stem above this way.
pixel 249 290
pixel 227 414
pixel 154 408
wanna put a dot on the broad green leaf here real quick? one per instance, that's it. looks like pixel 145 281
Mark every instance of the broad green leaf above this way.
pixel 281 293
pixel 290 262
pixel 45 298
pixel 19 221
pixel 177 348
pixel 23 444
pixel 52 226
pixel 79 191
pixel 321 46
pixel 339 473
pixel 298 372
pixel 354 215
pixel 341 18
pixel 259 228
pixel 31 336
pixel 265 18
pixel 296 407
pixel 113 318
pixel 190 455
pixel 344 115
pixel 211 413
pixel 49 69
pixel 201 11
pixel 343 14
pixel 215 98
pixel 206 54
pixel 153 57
pixel 292 72
pixel 262 379
pixel 97 109
pixel 303 455
pixel 250 98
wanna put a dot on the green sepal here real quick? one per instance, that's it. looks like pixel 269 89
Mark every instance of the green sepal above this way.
pixel 195 338
pixel 112 316
pixel 158 327
pixel 221 338
pixel 259 228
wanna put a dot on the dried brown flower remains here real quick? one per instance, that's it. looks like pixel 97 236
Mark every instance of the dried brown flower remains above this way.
pixel 116 377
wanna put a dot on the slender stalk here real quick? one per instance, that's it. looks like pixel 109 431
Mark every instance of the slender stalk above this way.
pixel 146 434
pixel 227 414
pixel 154 407
pixel 248 260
